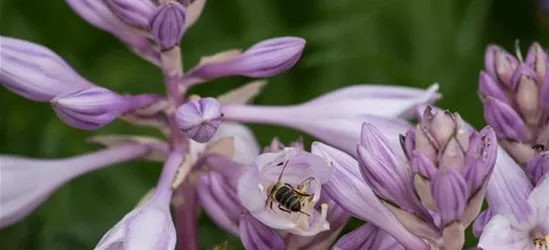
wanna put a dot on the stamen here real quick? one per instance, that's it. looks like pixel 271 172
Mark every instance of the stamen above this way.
pixel 541 243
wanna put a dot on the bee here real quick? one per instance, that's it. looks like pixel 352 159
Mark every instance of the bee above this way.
pixel 289 199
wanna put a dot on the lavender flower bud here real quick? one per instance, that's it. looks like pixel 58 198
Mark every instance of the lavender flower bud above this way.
pixel 26 183
pixel 264 59
pixel 256 236
pixel 98 14
pixel 489 87
pixel 149 226
pixel 199 119
pixel 544 95
pixel 36 72
pixel 380 168
pixel 500 64
pixel 505 121
pixel 95 107
pixel 537 60
pixel 167 25
pixel 481 158
pixel 135 13
pixel 527 95
pixel 349 190
pixel 450 193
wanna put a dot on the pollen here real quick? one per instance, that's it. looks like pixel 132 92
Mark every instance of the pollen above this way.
pixel 541 243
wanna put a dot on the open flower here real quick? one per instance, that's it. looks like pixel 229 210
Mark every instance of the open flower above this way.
pixel 26 183
pixel 336 117
pixel 520 211
pixel 303 171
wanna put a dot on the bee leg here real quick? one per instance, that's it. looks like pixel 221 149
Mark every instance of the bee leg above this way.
pixel 271 204
pixel 304 213
pixel 284 209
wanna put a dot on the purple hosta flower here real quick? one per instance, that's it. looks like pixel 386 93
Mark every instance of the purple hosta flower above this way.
pixel 35 72
pixel 199 118
pixel 449 168
pixel 265 59
pixel 95 107
pixel 167 25
pixel 516 102
pixel 336 117
pixel 366 237
pixel 98 14
pixel 352 193
pixel 303 171
pixel 26 182
pixel 149 225
pixel 135 13
pixel 519 211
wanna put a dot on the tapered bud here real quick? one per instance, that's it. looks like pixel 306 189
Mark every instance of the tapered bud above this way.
pixel 481 158
pixel 256 236
pixel 504 119
pixel 500 64
pixel 95 107
pixel 527 95
pixel 264 59
pixel 98 14
pixel 544 95
pixel 35 72
pixel 199 119
pixel 450 194
pixel 167 25
pixel 489 87
pixel 537 60
pixel 135 13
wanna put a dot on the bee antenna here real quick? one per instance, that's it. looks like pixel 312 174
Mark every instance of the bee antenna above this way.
pixel 282 172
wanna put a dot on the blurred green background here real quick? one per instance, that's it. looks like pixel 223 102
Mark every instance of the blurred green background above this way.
pixel 404 42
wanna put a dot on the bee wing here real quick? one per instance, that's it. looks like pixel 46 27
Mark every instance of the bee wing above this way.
pixel 305 184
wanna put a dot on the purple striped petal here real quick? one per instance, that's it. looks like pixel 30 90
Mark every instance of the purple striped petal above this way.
pixel 450 193
pixel 256 236
pixel 367 237
pixel 35 72
pixel 348 189
pixel 504 119
pixel 135 13
pixel 26 182
pixel 167 25
pixel 95 107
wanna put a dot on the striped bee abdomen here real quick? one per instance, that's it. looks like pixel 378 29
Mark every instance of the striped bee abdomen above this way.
pixel 287 198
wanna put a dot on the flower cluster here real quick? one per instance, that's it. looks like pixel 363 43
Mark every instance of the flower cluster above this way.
pixel 417 187
pixel 515 92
